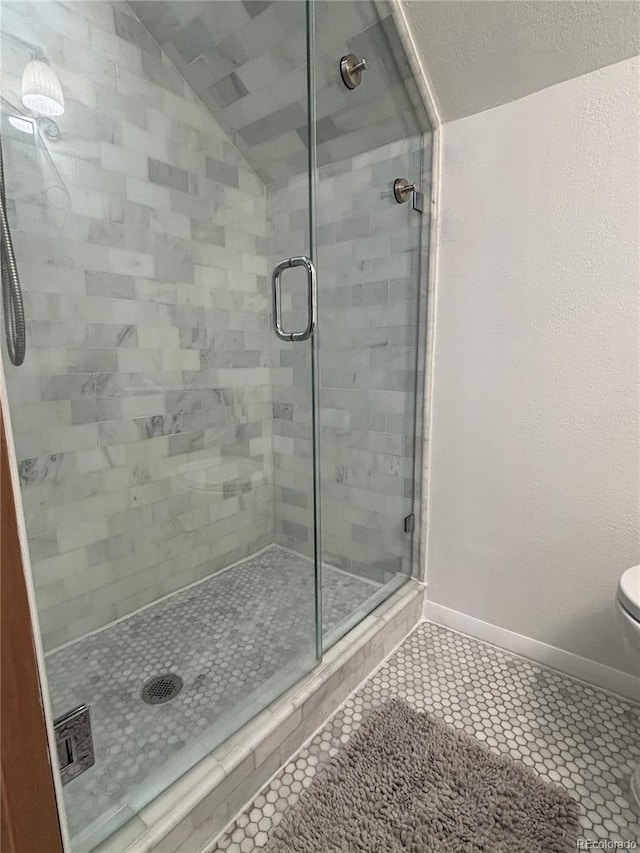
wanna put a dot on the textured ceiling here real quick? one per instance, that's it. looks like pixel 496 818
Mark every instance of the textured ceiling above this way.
pixel 246 60
pixel 482 53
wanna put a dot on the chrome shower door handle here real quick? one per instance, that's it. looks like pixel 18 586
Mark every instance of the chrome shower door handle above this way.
pixel 312 298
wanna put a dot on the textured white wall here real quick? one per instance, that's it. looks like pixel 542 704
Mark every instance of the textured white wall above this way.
pixel 534 484
pixel 479 55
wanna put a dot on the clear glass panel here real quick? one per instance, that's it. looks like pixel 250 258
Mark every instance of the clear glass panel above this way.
pixel 368 258
pixel 163 432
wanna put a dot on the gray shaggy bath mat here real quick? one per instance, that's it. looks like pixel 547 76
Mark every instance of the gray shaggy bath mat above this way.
pixel 407 783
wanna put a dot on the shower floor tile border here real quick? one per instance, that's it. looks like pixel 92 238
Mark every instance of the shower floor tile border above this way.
pixel 303 558
pixel 198 806
pixel 569 732
pixel 245 628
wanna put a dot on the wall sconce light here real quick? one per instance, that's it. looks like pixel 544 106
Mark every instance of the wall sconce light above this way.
pixel 41 89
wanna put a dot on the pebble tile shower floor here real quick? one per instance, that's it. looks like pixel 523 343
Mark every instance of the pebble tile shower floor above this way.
pixel 225 637
pixel 569 732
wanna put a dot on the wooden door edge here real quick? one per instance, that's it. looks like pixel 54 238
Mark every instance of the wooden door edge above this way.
pixel 30 821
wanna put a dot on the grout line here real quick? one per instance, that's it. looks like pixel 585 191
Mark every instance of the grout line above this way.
pixel 431 336
pixel 325 565
pixel 413 55
pixel 211 844
pixel 195 583
pixel 162 598
pixel 534 662
pixel 431 105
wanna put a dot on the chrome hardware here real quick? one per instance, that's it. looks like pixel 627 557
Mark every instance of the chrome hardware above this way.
pixel 351 69
pixel 409 523
pixel 403 191
pixel 74 743
pixel 312 296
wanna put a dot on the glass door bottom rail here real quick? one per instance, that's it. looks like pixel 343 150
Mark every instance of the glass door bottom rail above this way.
pixel 223 637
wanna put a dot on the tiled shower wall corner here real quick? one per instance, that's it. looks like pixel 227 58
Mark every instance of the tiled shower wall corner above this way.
pixel 368 279
pixel 142 414
pixel 246 59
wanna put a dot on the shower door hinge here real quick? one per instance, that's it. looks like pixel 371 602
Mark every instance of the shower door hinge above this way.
pixel 409 523
pixel 74 743
pixel 403 191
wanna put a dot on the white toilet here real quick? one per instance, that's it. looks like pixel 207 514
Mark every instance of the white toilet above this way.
pixel 628 618
pixel 628 609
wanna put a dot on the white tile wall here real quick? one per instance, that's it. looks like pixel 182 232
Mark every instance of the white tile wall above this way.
pixel 138 425
pixel 369 279
pixel 155 400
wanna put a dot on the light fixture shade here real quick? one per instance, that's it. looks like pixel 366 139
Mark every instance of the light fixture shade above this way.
pixel 41 89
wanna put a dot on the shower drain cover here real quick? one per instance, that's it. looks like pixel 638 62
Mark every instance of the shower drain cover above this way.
pixel 161 688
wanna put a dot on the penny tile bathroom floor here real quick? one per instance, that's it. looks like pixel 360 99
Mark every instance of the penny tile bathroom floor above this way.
pixel 231 639
pixel 569 732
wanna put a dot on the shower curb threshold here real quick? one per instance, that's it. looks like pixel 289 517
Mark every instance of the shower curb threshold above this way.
pixel 192 812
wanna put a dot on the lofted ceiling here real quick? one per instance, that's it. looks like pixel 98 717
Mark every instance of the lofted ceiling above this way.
pixel 481 53
pixel 246 61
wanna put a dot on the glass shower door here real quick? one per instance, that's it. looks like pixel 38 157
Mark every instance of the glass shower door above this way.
pixel 156 412
pixel 369 135
pixel 364 360
pixel 368 263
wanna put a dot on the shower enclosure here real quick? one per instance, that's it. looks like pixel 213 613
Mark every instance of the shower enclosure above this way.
pixel 215 420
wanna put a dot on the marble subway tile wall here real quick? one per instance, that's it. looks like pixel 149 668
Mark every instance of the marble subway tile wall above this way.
pixel 143 412
pixel 246 60
pixel 369 320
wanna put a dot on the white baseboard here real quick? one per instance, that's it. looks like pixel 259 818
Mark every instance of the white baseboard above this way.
pixel 578 667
